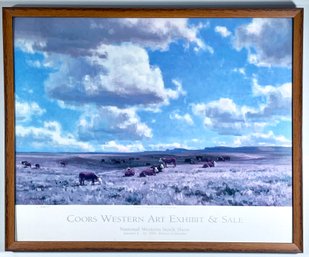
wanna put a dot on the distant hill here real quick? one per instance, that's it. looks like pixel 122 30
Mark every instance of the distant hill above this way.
pixel 242 149
pixel 248 149
pixel 178 150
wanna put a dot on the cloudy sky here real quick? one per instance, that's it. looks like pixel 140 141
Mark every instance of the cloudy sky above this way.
pixel 126 85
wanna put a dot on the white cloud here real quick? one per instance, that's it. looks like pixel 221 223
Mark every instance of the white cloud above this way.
pixel 28 44
pixel 222 115
pixel 186 118
pixel 50 134
pixel 76 36
pixel 240 70
pixel 112 123
pixel 227 118
pixel 223 31
pixel 268 41
pixel 40 64
pixel 278 102
pixel 262 139
pixel 26 110
pixel 210 49
pixel 112 146
pixel 179 89
pixel 113 75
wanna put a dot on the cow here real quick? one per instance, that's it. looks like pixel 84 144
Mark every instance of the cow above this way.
pixel 88 176
pixel 209 164
pixel 115 161
pixel 27 164
pixel 62 164
pixel 37 166
pixel 199 158
pixel 206 159
pixel 189 160
pixel 158 168
pixel 223 158
pixel 129 172
pixel 168 160
pixel 149 172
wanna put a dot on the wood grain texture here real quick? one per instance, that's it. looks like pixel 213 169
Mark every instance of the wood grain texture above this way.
pixel 12 245
pixel 151 13
pixel 9 130
pixel 297 130
pixel 154 247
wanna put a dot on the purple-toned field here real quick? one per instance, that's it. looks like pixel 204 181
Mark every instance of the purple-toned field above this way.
pixel 259 177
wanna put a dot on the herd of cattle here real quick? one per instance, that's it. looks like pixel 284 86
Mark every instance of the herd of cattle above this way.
pixel 207 162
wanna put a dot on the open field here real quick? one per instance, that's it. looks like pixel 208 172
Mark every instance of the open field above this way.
pixel 259 177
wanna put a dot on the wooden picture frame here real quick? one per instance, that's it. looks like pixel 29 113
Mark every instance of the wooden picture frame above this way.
pixel 13 244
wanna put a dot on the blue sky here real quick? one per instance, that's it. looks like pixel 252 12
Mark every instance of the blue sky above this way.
pixel 126 85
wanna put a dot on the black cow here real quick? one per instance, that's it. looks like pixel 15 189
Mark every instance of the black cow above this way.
pixel 189 160
pixel 115 161
pixel 199 158
pixel 27 164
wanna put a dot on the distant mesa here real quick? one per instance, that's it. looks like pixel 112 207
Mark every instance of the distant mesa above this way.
pixel 177 150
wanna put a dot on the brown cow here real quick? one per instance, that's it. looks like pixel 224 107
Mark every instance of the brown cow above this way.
pixel 88 176
pixel 129 172
pixel 209 164
pixel 149 172
pixel 168 160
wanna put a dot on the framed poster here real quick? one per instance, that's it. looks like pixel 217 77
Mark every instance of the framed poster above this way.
pixel 153 129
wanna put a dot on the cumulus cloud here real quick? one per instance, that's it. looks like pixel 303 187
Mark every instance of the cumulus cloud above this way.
pixel 186 118
pixel 223 31
pixel 227 118
pixel 113 146
pixel 50 134
pixel 77 36
pixel 278 102
pixel 104 63
pixel 113 75
pixel 222 115
pixel 24 111
pixel 111 122
pixel 268 41
pixel 40 64
pixel 262 139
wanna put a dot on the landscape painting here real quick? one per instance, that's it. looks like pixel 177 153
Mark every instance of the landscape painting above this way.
pixel 153 111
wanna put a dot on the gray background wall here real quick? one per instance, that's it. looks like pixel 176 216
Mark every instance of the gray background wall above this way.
pixel 206 3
